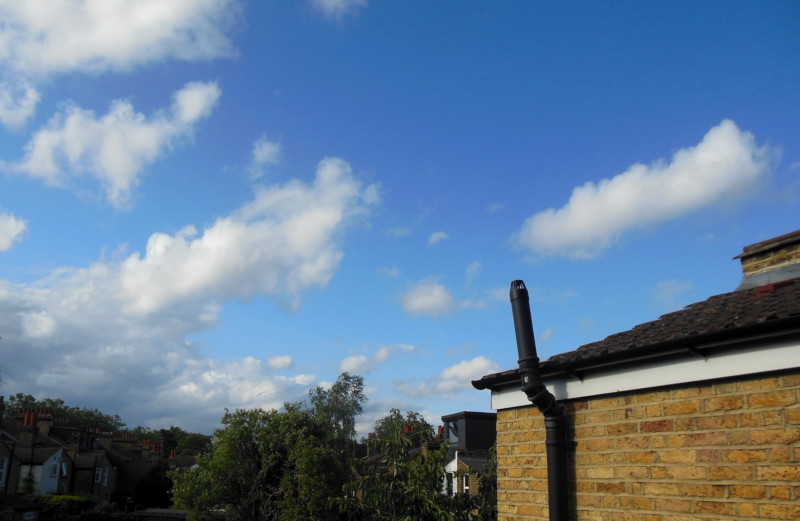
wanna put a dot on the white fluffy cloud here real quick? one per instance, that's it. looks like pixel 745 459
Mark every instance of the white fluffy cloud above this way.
pixel 451 380
pixel 120 328
pixel 115 148
pixel 281 362
pixel 40 38
pixel 428 298
pixel 724 166
pixel 11 229
pixel 339 8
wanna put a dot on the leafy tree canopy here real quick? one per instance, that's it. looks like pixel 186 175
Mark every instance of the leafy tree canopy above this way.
pixel 265 465
pixel 338 406
pixel 79 415
pixel 394 421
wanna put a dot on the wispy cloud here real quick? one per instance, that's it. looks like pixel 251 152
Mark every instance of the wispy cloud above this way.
pixel 365 364
pixel 265 153
pixel 666 292
pixel 339 8
pixel 725 165
pixel 11 229
pixel 398 231
pixel 451 380
pixel 473 270
pixel 437 237
pixel 115 148
pixel 390 272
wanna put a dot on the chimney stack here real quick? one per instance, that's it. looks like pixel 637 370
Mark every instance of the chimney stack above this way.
pixel 770 261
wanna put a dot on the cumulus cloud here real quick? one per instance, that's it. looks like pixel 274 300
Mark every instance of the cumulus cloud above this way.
pixel 437 237
pixel 280 362
pixel 428 298
pixel 115 148
pixel 365 364
pixel 281 243
pixel 40 38
pixel 339 8
pixel 11 229
pixel 120 327
pixel 724 166
pixel 451 380
pixel 265 153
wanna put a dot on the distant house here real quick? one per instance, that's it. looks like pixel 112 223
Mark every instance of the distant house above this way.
pixel 48 455
pixel 694 416
pixel 30 461
pixel 470 436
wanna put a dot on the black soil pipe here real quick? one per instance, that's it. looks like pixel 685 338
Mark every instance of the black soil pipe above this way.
pixel 537 393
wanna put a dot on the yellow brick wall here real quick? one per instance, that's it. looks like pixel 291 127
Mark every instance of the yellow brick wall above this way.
pixel 727 450
pixel 770 259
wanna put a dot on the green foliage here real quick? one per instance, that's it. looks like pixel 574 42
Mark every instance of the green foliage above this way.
pixel 193 444
pixel 395 421
pixel 60 506
pixel 264 465
pixel 338 406
pixel 402 481
pixel 78 415
pixel 487 489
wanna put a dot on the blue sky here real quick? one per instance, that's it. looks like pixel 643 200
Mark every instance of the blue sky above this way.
pixel 222 203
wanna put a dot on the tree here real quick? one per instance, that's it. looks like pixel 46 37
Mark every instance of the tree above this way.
pixel 402 481
pixel 394 421
pixel 265 465
pixel 487 489
pixel 338 406
pixel 79 415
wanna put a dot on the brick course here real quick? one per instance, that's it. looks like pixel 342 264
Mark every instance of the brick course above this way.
pixel 723 451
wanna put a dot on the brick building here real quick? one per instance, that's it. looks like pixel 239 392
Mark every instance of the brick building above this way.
pixel 694 416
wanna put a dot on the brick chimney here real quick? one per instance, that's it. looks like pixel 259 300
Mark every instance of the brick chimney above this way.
pixel 770 261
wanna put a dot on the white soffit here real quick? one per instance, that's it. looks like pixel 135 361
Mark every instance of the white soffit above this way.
pixel 664 372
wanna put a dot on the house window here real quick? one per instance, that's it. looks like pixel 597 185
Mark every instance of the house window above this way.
pixel 64 469
pixel 54 469
pixel 105 476
pixel 98 475
pixel 3 471
pixel 466 483
pixel 452 433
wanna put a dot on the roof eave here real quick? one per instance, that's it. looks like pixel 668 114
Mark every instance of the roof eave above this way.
pixel 702 345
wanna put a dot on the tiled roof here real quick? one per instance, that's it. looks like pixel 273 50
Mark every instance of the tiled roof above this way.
pixel 722 318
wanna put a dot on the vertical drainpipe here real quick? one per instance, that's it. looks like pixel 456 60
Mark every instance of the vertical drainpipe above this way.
pixel 538 395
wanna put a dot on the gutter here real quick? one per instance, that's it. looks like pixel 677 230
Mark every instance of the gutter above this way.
pixel 703 345
pixel 545 401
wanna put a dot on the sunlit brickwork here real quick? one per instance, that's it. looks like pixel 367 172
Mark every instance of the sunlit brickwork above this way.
pixel 724 450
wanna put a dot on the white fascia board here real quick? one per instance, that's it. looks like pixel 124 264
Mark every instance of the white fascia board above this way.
pixel 664 372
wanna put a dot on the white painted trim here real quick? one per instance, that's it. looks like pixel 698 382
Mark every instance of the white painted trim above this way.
pixel 776 357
